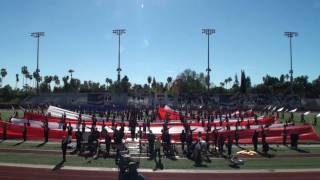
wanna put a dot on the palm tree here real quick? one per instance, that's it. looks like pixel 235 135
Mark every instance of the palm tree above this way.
pixel 27 77
pixel 65 80
pixel 229 79
pixel 56 80
pixel 36 76
pixel 149 81
pixel 24 70
pixel 17 80
pixel 3 73
pixel 71 71
pixel 47 81
pixel 287 77
pixel 226 82
pixel 30 77
pixel 108 82
pixel 222 84
pixel 169 80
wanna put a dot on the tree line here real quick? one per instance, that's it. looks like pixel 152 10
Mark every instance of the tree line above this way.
pixel 186 83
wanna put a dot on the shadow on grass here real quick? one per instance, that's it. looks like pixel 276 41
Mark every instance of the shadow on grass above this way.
pixel 58 166
pixel 234 166
pixel 200 165
pixel 172 158
pixel 300 150
pixel 273 149
pixel 41 144
pixel 17 144
pixel 207 160
pixel 266 155
pixel 243 148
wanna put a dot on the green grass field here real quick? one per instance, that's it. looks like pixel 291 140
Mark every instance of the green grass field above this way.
pixel 297 118
pixel 35 145
pixel 6 114
pixel 283 163
pixel 216 164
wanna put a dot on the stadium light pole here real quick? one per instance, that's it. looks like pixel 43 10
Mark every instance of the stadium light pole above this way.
pixel 37 35
pixel 119 32
pixel 208 32
pixel 290 35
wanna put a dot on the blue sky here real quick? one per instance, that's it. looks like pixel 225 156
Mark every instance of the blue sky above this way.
pixel 163 37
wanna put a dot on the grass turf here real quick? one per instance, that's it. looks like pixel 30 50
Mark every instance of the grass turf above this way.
pixel 264 163
pixel 30 145
pixel 7 113
pixel 216 164
pixel 37 145
pixel 297 118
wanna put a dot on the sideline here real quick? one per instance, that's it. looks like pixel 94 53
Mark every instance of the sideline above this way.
pixel 186 171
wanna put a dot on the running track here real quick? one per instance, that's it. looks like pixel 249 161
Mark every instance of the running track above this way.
pixel 19 173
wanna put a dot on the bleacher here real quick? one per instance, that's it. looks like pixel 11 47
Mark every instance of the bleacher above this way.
pixel 57 98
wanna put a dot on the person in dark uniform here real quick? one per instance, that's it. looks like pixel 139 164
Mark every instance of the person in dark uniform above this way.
pixel 255 140
pixel 248 124
pixel 133 129
pixel 144 127
pixel 107 138
pixel 63 121
pixel 24 132
pixel 263 136
pixel 64 144
pixel 236 136
pixel 256 119
pixel 189 142
pixel 79 120
pixel 284 135
pixel 4 131
pixel 302 119
pixel 183 138
pixel 83 126
pixel 78 139
pixel 70 128
pixel 294 137
pixel 291 117
pixel 151 140
pixel 46 132
pixel 221 140
pixel 158 154
pixel 215 139
pixel 94 121
pixel 229 146
pixel 315 120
